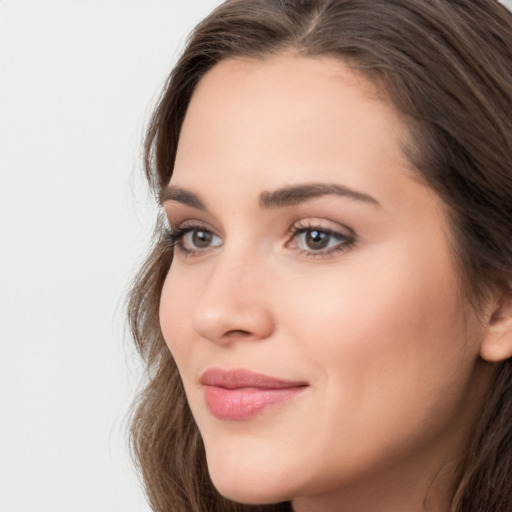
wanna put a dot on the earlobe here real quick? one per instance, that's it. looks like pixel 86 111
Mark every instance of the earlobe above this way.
pixel 497 344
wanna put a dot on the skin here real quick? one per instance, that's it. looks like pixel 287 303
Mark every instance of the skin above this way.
pixel 374 324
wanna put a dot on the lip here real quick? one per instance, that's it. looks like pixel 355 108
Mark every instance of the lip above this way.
pixel 242 394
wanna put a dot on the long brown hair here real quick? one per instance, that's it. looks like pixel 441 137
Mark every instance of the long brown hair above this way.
pixel 446 65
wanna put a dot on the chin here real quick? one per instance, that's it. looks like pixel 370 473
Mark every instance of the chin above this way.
pixel 250 487
pixel 252 496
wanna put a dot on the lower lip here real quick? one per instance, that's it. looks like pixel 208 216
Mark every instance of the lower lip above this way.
pixel 245 403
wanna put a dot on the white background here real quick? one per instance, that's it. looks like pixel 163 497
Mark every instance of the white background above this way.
pixel 77 82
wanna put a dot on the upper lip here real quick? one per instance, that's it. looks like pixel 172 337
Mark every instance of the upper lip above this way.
pixel 240 378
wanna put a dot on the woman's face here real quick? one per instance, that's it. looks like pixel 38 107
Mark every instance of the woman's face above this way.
pixel 312 305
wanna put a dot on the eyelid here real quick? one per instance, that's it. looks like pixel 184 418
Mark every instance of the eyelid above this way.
pixel 323 225
pixel 177 214
pixel 177 226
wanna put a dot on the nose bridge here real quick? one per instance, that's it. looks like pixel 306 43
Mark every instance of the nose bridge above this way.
pixel 235 268
pixel 233 303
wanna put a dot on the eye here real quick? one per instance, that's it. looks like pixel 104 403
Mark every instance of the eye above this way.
pixel 316 239
pixel 199 239
pixel 319 241
pixel 194 239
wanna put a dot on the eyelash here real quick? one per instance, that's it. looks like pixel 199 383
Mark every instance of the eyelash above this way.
pixel 174 239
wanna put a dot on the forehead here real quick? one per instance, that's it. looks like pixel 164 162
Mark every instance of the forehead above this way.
pixel 282 118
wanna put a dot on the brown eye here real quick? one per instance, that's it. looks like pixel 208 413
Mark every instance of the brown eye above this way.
pixel 201 239
pixel 198 239
pixel 317 240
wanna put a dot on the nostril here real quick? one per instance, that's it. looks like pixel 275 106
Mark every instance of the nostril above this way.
pixel 235 333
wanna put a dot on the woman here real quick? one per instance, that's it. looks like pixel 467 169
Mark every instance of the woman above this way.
pixel 335 329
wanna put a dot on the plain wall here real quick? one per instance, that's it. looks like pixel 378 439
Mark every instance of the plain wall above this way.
pixel 77 82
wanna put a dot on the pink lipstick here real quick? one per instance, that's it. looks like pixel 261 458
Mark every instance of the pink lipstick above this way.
pixel 241 394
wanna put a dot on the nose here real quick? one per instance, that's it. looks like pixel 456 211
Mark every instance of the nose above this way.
pixel 234 305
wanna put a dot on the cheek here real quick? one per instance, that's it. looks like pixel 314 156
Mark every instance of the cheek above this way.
pixel 176 306
pixel 385 333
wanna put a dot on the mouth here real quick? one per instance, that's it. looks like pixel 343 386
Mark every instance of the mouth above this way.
pixel 242 394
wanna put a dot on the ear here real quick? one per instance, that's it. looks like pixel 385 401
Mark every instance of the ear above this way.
pixel 497 344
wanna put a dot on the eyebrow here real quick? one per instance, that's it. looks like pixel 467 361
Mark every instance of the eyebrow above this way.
pixel 181 195
pixel 283 197
pixel 296 194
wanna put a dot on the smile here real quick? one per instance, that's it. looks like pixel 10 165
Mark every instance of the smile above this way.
pixel 241 394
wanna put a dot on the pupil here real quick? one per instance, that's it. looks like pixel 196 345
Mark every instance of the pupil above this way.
pixel 317 239
pixel 201 239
